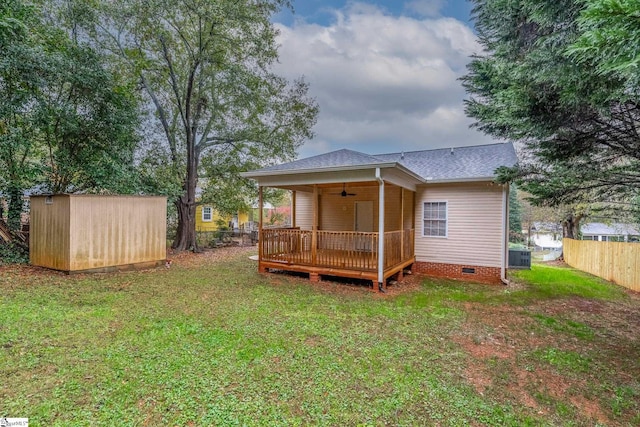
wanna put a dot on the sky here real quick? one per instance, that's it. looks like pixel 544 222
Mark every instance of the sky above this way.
pixel 384 72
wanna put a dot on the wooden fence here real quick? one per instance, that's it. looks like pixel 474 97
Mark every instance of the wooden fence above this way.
pixel 617 262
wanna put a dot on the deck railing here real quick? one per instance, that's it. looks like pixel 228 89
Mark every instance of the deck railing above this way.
pixel 347 249
pixel 335 249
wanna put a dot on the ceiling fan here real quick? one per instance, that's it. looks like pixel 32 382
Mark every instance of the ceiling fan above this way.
pixel 344 193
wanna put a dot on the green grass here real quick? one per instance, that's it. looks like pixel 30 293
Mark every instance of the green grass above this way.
pixel 219 344
pixel 554 282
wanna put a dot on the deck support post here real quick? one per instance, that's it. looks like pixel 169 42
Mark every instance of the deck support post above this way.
pixel 380 232
pixel 314 229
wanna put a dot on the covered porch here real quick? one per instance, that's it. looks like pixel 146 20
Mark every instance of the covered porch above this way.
pixel 355 221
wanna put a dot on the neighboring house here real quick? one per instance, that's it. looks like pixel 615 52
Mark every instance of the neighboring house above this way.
pixel 439 212
pixel 208 219
pixel 614 232
pixel 546 235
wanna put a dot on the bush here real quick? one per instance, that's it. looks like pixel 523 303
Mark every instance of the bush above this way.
pixel 13 253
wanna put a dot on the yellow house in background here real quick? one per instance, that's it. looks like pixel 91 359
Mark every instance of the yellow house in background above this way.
pixel 208 219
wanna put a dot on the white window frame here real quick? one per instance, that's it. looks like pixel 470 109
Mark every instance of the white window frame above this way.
pixel 207 211
pixel 446 218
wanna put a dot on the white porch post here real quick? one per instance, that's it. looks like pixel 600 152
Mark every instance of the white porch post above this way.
pixel 505 233
pixel 380 231
pixel 314 229
pixel 260 236
pixel 293 209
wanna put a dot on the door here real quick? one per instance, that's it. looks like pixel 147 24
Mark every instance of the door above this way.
pixel 364 223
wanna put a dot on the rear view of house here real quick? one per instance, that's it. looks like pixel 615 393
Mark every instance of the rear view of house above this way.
pixel 438 212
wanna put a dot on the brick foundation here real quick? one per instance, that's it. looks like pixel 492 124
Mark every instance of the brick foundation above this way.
pixel 473 273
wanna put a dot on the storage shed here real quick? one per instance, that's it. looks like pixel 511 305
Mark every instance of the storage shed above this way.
pixel 93 233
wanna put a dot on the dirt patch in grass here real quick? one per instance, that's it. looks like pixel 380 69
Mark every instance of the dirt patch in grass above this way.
pixel 194 259
pixel 535 355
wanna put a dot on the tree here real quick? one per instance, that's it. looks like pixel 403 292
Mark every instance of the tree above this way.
pixel 515 216
pixel 88 122
pixel 610 38
pixel 66 123
pixel 205 67
pixel 19 80
pixel 577 126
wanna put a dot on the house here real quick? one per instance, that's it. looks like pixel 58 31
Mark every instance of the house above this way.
pixel 546 235
pixel 209 219
pixel 356 215
pixel 615 232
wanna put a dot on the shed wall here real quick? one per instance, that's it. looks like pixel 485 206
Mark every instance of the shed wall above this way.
pixel 49 233
pixel 85 232
pixel 474 229
pixel 117 230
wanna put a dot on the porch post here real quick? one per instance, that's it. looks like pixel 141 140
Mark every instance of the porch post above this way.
pixel 293 209
pixel 260 237
pixel 380 232
pixel 402 224
pixel 314 229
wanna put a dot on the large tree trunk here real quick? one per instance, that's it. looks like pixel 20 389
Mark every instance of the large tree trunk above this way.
pixel 186 204
pixel 571 226
pixel 186 232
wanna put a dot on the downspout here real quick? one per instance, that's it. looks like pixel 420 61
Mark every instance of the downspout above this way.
pixel 505 234
pixel 380 230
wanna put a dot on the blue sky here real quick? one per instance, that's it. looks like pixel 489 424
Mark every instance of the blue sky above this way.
pixel 385 73
pixel 321 11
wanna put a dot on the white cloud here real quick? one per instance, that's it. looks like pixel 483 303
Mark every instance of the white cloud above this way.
pixel 427 8
pixel 384 83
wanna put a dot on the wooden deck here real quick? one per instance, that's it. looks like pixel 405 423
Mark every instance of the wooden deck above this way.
pixel 335 253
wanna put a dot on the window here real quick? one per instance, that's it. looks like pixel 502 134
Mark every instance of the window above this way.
pixel 435 219
pixel 207 214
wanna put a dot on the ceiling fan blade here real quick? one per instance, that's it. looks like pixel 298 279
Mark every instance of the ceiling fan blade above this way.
pixel 343 193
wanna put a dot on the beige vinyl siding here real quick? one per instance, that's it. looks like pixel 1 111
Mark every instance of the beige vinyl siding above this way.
pixel 474 224
pixel 304 210
pixel 337 213
pixel 409 200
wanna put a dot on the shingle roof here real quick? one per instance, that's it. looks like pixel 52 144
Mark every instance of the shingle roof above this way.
pixel 445 164
pixel 334 159
pixel 598 228
pixel 462 163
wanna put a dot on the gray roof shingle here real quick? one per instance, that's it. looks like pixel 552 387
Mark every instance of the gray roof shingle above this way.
pixel 334 159
pixel 461 163
pixel 445 164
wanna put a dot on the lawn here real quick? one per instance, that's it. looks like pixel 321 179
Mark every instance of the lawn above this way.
pixel 211 342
